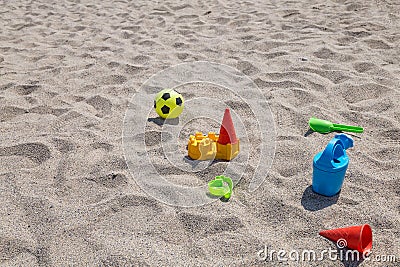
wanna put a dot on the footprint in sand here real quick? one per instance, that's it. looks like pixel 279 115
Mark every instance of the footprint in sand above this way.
pixel 37 152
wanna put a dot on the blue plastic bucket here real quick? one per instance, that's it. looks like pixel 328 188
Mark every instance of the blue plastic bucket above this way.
pixel 330 165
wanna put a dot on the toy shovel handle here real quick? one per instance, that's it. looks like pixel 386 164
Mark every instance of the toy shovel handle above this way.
pixel 347 128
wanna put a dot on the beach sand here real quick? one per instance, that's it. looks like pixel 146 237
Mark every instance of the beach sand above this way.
pixel 69 69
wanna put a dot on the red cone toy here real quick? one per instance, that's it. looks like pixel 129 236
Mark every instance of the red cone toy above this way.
pixel 357 237
pixel 227 134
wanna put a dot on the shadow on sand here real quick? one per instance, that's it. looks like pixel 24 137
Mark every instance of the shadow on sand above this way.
pixel 312 201
pixel 160 121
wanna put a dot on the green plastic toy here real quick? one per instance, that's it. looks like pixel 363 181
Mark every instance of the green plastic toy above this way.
pixel 221 186
pixel 323 126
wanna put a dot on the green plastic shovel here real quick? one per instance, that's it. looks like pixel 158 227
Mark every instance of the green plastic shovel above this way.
pixel 221 186
pixel 323 126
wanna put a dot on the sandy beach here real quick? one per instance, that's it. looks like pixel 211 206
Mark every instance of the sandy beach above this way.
pixel 70 71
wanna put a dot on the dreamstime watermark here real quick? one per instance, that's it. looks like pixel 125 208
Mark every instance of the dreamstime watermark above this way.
pixel 306 255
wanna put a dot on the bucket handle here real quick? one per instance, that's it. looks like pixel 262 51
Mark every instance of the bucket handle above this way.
pixel 335 149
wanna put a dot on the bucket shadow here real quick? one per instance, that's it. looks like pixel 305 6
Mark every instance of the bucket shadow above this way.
pixel 312 201
pixel 160 121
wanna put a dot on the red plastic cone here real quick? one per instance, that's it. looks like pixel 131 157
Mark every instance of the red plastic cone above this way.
pixel 354 237
pixel 227 134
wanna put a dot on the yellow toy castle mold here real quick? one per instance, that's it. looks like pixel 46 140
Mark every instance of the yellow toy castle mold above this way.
pixel 224 146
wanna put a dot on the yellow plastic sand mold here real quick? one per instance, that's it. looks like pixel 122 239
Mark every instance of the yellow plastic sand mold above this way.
pixel 225 146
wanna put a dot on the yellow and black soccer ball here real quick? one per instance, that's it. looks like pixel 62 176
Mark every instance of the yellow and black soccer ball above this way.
pixel 168 104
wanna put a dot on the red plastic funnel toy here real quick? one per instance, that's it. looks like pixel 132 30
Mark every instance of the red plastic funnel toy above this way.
pixel 227 134
pixel 356 237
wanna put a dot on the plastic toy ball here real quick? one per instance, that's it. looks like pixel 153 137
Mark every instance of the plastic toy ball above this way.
pixel 168 104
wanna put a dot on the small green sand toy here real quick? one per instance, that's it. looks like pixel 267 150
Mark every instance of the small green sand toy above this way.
pixel 323 126
pixel 221 186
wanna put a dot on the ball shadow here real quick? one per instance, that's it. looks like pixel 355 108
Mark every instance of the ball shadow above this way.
pixel 160 121
pixel 312 201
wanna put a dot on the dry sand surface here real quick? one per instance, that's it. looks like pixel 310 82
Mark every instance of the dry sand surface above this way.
pixel 69 69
